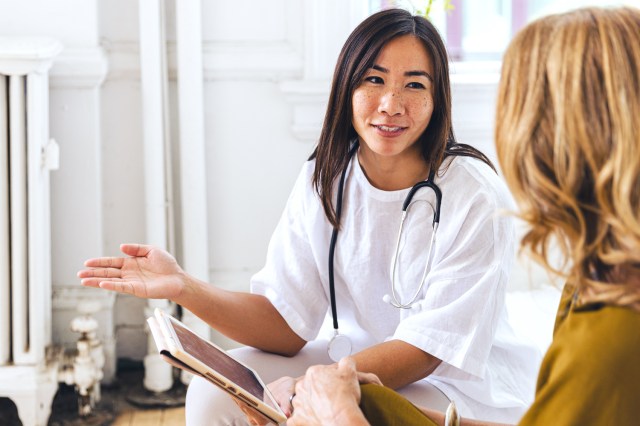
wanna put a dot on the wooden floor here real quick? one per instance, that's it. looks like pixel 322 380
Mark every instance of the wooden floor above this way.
pixel 135 407
pixel 162 417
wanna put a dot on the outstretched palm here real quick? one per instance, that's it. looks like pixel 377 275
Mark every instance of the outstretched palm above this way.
pixel 149 272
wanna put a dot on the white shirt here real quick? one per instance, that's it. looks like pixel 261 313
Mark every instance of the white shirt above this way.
pixel 459 316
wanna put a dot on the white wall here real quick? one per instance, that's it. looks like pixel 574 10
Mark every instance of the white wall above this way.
pixel 266 69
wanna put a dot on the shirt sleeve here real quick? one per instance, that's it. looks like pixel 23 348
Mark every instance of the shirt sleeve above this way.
pixel 457 318
pixel 290 278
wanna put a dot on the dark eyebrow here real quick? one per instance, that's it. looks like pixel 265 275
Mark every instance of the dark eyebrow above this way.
pixel 408 73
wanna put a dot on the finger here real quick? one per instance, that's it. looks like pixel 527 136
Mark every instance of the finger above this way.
pixel 369 378
pixel 295 420
pixel 136 250
pixel 299 387
pixel 100 273
pixel 246 412
pixel 105 262
pixel 91 282
pixel 287 406
pixel 347 363
pixel 120 287
pixel 293 402
pixel 97 283
pixel 254 416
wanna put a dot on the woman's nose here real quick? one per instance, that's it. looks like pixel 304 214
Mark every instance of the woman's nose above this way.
pixel 391 102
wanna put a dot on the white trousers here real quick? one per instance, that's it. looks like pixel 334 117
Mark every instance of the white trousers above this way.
pixel 208 405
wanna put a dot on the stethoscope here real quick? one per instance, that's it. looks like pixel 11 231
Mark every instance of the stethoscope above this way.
pixel 340 345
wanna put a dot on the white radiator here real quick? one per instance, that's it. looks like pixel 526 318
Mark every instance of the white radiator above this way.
pixel 26 156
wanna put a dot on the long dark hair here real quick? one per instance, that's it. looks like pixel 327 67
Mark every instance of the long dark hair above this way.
pixel 357 56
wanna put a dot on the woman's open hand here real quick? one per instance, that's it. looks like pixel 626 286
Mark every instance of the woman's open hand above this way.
pixel 148 272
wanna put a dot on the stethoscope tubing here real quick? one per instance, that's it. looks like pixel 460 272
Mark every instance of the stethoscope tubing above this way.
pixel 428 183
pixel 395 301
pixel 334 239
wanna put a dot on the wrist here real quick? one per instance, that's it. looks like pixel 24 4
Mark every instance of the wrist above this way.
pixel 188 289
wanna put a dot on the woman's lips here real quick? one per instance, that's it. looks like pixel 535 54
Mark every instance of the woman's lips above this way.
pixel 388 130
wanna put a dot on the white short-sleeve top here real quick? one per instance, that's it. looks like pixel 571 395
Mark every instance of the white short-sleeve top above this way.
pixel 459 316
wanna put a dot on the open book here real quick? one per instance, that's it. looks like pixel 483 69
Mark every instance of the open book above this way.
pixel 184 349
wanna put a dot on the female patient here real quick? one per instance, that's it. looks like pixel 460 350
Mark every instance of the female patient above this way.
pixel 387 127
pixel 568 140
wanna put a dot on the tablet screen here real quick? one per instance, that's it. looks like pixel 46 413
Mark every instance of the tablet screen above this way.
pixel 222 363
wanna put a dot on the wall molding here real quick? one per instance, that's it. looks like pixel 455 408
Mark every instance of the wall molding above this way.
pixel 308 100
pixel 272 61
pixel 79 67
pixel 251 60
pixel 68 297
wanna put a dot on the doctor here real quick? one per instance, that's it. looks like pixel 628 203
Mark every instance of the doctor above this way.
pixel 425 314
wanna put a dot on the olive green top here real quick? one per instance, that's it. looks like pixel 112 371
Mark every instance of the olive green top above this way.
pixel 591 373
pixel 384 407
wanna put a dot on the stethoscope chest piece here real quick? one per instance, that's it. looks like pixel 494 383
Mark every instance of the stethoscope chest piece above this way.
pixel 339 347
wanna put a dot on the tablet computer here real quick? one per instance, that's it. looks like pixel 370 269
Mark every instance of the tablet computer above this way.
pixel 184 349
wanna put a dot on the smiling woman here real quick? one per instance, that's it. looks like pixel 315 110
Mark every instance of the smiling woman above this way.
pixel 392 107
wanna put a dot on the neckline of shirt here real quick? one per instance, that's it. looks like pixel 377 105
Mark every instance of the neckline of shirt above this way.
pixel 358 175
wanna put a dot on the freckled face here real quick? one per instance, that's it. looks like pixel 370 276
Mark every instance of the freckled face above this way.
pixel 393 104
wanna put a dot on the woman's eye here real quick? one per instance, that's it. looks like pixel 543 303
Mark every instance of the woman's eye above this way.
pixel 415 85
pixel 374 79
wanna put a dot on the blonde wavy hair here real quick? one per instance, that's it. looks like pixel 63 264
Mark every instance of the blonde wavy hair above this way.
pixel 568 140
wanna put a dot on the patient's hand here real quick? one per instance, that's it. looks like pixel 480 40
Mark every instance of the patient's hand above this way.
pixel 284 387
pixel 329 395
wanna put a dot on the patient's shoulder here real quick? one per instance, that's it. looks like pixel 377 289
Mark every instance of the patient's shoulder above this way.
pixel 591 373
pixel 595 349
